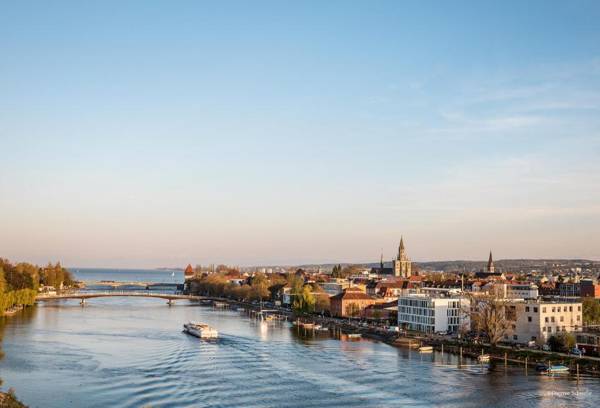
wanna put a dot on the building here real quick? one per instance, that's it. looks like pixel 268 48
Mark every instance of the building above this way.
pixel 433 312
pixel 350 303
pixel 569 289
pixel 402 265
pixel 589 288
pixel 522 291
pixel 539 320
pixel 382 311
pixel 334 286
pixel 589 342
pixel 188 273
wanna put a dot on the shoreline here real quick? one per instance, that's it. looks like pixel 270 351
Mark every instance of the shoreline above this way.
pixel 13 311
pixel 523 357
pixel 8 400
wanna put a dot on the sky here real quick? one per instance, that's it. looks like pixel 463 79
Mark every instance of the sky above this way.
pixel 159 133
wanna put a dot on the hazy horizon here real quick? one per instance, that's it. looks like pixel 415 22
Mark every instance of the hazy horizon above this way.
pixel 140 134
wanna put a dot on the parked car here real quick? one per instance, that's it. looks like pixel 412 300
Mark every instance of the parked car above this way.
pixel 575 351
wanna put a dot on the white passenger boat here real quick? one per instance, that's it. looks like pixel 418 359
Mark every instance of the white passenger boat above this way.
pixel 201 330
pixel 426 349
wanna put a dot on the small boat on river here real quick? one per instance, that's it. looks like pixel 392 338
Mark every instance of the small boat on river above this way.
pixel 484 358
pixel 200 330
pixel 556 369
pixel 354 335
pixel 425 349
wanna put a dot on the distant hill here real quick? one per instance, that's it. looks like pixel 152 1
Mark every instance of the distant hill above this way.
pixel 471 266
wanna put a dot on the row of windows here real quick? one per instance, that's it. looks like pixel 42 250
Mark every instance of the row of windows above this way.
pixel 558 329
pixel 415 319
pixel 555 309
pixel 416 311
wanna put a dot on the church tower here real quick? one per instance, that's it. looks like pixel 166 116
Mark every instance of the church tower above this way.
pixel 402 265
pixel 490 264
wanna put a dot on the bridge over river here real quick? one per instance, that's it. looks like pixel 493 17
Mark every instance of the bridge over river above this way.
pixel 83 296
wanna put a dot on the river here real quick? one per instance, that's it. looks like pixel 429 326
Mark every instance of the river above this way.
pixel 130 352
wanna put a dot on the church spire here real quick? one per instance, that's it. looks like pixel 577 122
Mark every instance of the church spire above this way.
pixel 490 264
pixel 381 262
pixel 401 248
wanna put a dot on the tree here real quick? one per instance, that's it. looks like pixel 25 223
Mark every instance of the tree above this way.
pixel 2 281
pixel 562 342
pixel 489 315
pixel 304 302
pixel 591 311
pixel 337 271
pixel 260 287
pixel 350 270
pixel 321 299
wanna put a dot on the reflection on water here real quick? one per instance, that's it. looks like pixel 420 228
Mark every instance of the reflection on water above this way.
pixel 131 352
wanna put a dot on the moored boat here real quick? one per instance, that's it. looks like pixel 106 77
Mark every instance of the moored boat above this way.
pixel 354 335
pixel 200 330
pixel 557 369
pixel 425 349
pixel 484 358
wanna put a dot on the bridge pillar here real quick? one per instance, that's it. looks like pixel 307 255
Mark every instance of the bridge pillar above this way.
pixel 170 302
pixel 82 303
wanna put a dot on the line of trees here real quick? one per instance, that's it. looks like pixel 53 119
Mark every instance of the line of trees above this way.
pixel 259 287
pixel 306 298
pixel 19 283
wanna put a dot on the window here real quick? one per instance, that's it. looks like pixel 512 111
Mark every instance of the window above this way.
pixel 527 308
pixel 528 318
pixel 546 319
pixel 535 310
pixel 552 319
pixel 544 328
pixel 515 337
pixel 570 308
pixel 543 309
pixel 553 310
pixel 562 318
pixel 578 318
pixel 579 308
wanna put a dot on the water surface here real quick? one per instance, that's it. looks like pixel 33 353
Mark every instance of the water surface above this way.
pixel 130 352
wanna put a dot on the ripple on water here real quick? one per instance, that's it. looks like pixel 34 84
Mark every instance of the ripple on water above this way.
pixel 140 357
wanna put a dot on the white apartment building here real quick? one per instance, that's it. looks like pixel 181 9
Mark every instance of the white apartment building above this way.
pixel 335 287
pixel 522 291
pixel 433 313
pixel 539 320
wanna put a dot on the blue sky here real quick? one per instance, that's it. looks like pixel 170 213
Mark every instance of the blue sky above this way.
pixel 161 133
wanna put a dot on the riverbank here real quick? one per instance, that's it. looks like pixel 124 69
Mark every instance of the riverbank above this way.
pixel 524 357
pixel 12 311
pixel 528 358
pixel 8 400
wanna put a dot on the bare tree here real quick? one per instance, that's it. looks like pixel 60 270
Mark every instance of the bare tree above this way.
pixel 490 314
